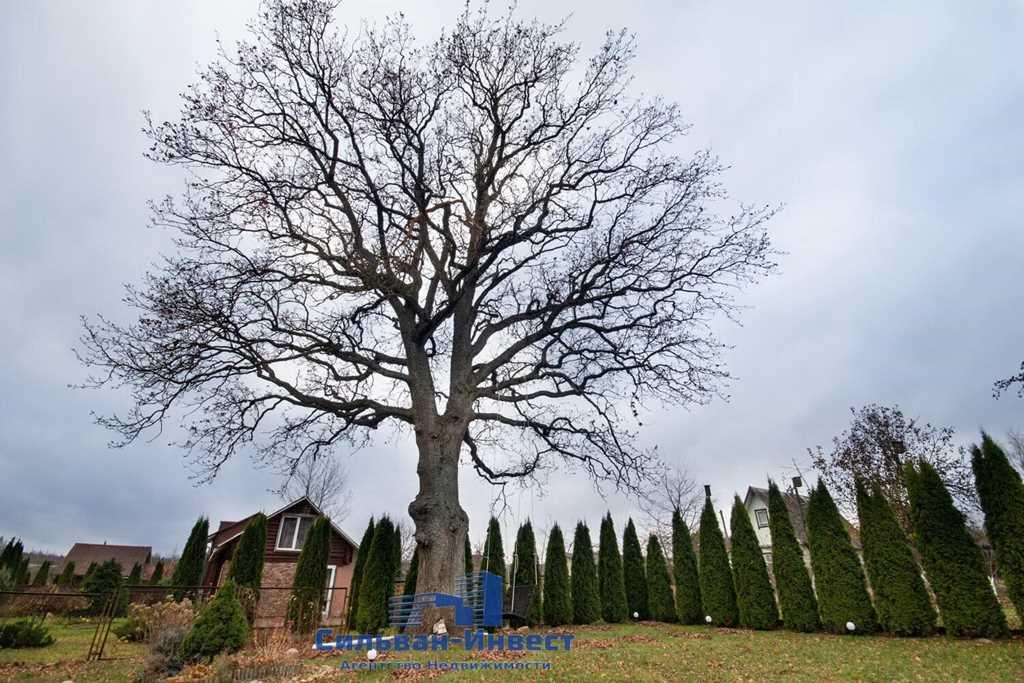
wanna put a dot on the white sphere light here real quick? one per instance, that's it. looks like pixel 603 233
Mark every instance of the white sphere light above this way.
pixel 636 615
pixel 708 618
pixel 371 654
pixel 850 626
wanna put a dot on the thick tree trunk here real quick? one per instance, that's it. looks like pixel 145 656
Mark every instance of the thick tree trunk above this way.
pixel 441 523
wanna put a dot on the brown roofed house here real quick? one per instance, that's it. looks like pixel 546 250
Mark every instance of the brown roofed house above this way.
pixel 84 554
pixel 286 532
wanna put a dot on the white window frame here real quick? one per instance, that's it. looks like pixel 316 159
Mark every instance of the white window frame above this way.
pixel 757 518
pixel 295 535
pixel 332 571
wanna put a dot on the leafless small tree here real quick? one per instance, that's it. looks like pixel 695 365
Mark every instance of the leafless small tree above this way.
pixel 408 534
pixel 880 441
pixel 324 481
pixel 475 239
pixel 673 488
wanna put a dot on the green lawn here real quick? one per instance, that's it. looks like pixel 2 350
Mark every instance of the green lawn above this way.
pixel 644 652
pixel 65 659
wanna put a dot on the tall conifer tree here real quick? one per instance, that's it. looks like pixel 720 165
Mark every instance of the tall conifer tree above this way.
pixel 634 573
pixel 689 608
pixel 1002 498
pixel 755 597
pixel 842 591
pixel 609 574
pixel 952 560
pixel 557 603
pixel 306 601
pixel 586 601
pixel 524 570
pixel 660 604
pixel 189 570
pixel 901 598
pixel 716 588
pixel 362 553
pixel 797 602
pixel 494 552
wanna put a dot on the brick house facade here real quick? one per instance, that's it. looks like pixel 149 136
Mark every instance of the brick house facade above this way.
pixel 286 531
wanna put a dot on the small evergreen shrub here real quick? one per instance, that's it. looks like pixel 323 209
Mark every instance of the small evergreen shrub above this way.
pixel 951 559
pixel 660 604
pixel 66 578
pixel 158 574
pixel 755 597
pixel 586 601
pixel 609 574
pixel 634 574
pixel 557 601
pixel 24 633
pixel 684 573
pixel 220 627
pixel 797 602
pixel 42 576
pixel 104 581
pixel 901 599
pixel 842 592
pixel 716 588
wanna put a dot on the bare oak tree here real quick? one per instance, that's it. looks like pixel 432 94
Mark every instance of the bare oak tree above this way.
pixel 880 441
pixel 475 238
pixel 323 480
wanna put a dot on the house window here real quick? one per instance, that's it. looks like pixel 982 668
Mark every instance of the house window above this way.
pixel 329 593
pixel 293 531
pixel 762 518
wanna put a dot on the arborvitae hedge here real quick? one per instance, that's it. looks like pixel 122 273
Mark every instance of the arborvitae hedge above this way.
pixel 158 574
pixel 951 559
pixel 586 601
pixel 409 588
pixel 716 588
pixel 67 576
pixel 634 573
pixel 609 574
pixel 842 591
pixel 89 571
pixel 557 596
pixel 378 580
pixel 189 570
pixel 220 627
pixel 42 576
pixel 901 599
pixel 754 594
pixel 797 603
pixel 135 575
pixel 469 556
pixel 22 577
pixel 660 604
pixel 1002 498
pixel 494 552
pixel 362 553
pixel 305 602
pixel 684 572
pixel 524 571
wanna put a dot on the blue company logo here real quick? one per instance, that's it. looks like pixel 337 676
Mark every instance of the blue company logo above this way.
pixel 477 603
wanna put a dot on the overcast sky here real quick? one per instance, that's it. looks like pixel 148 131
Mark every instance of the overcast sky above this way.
pixel 891 132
